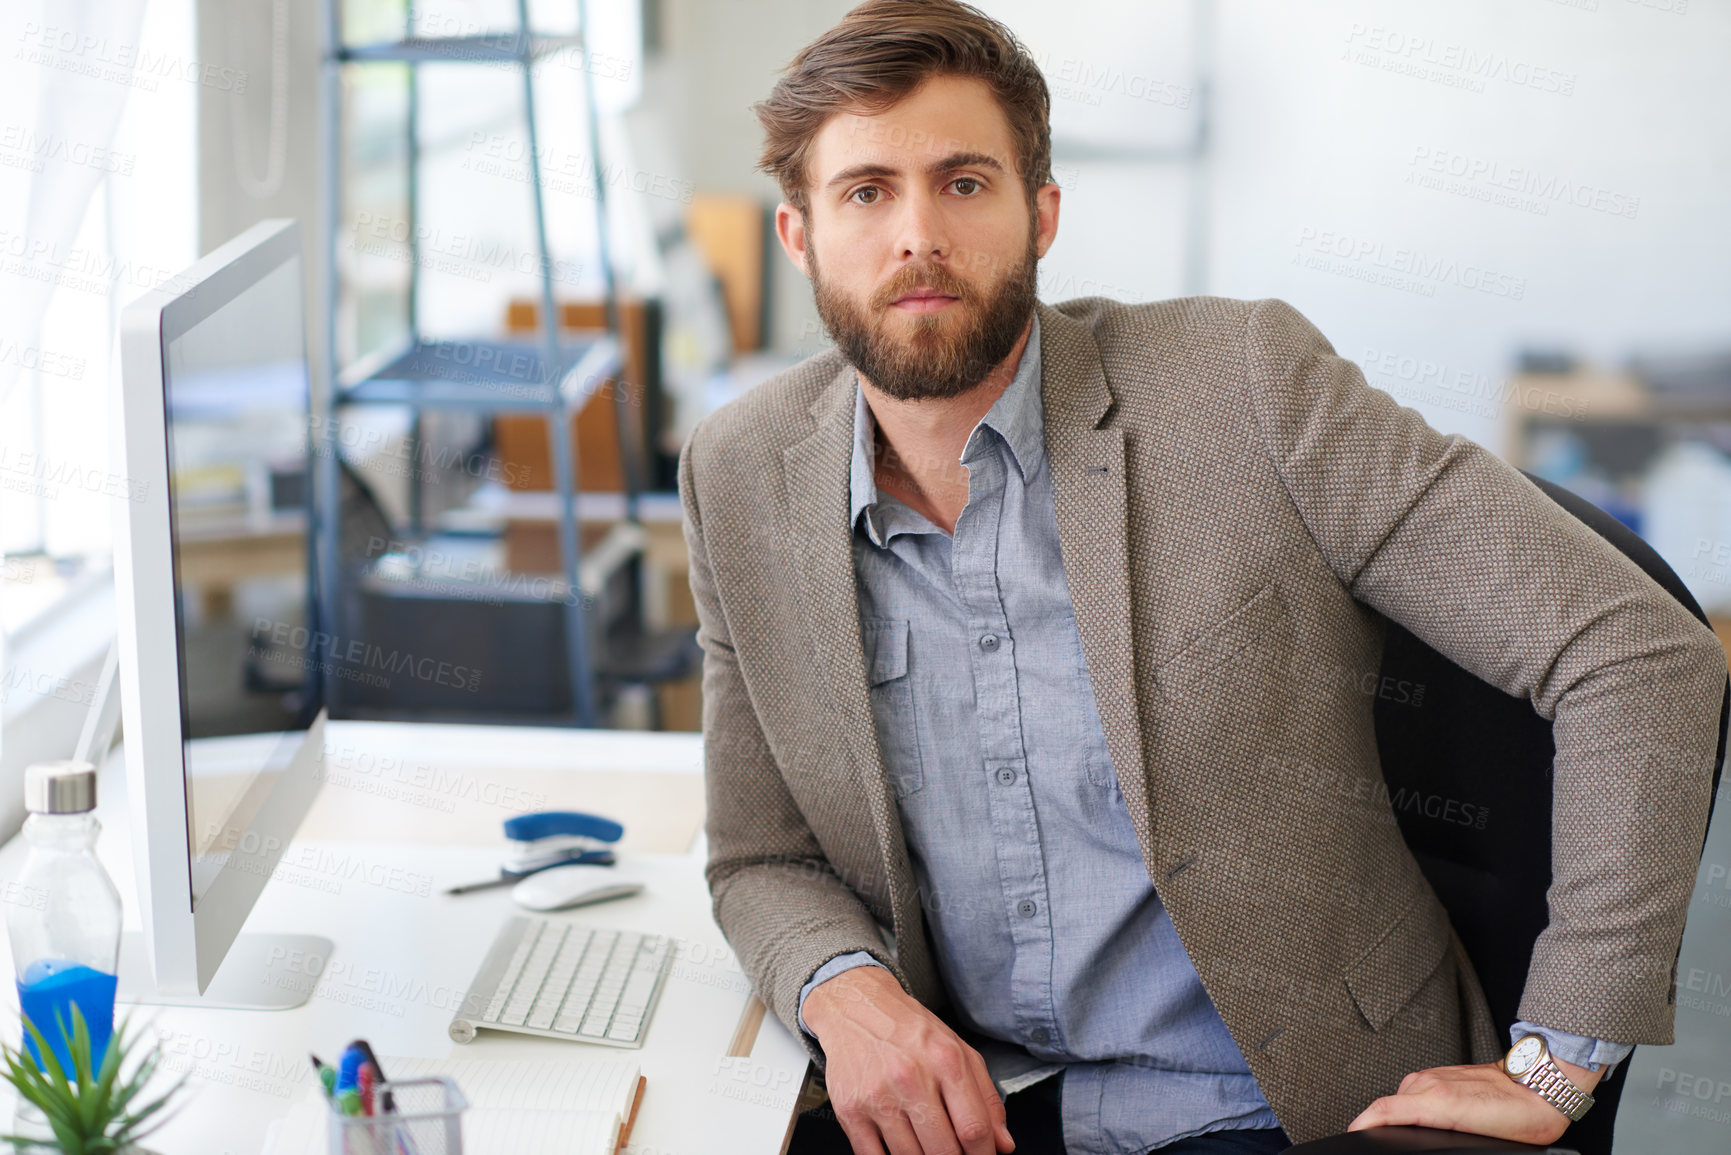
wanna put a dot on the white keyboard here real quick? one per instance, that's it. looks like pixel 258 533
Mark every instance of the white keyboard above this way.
pixel 554 978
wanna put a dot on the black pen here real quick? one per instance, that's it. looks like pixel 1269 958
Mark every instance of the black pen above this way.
pixel 508 877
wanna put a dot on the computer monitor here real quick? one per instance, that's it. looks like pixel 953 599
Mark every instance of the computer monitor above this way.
pixel 214 584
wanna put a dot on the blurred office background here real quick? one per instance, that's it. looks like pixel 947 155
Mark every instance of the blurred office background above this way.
pixel 1513 214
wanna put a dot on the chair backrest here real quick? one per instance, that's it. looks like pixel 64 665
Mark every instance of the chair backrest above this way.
pixel 1468 770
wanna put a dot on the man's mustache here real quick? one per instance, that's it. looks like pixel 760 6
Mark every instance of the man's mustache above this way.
pixel 933 277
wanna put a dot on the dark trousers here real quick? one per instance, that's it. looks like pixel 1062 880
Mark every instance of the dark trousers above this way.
pixel 1035 1119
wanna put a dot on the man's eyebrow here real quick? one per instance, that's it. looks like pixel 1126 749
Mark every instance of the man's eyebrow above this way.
pixel 954 160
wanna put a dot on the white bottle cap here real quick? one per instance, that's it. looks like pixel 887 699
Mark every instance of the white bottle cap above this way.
pixel 60 788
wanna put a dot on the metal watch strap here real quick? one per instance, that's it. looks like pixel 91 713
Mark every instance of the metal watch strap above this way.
pixel 1557 1089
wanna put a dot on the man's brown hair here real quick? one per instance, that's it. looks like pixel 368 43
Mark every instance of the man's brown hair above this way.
pixel 881 51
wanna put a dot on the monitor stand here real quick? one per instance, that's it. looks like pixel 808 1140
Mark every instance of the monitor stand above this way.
pixel 261 972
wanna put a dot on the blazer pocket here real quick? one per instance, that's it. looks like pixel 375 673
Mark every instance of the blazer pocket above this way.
pixel 1253 637
pixel 892 694
pixel 1225 699
pixel 1386 976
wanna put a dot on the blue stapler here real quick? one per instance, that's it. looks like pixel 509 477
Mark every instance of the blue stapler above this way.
pixel 551 838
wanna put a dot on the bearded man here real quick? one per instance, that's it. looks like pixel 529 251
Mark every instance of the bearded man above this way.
pixel 1007 611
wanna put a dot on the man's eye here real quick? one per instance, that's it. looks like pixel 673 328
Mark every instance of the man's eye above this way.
pixel 869 191
pixel 966 185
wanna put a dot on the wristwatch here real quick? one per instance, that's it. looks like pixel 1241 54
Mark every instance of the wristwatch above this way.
pixel 1529 1063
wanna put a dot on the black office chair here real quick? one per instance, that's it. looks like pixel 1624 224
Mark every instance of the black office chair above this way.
pixel 1472 741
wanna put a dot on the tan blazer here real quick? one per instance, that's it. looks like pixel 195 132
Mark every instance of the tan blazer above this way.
pixel 1238 511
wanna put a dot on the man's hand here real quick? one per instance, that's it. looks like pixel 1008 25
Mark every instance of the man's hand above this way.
pixel 897 1076
pixel 1481 1099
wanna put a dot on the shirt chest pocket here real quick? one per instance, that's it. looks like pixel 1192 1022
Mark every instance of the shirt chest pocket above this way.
pixel 892 692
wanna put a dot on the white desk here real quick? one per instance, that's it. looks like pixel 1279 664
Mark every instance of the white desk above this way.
pixel 429 800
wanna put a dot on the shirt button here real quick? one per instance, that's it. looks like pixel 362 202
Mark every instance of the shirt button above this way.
pixel 1040 1035
pixel 1006 775
pixel 989 642
pixel 1026 908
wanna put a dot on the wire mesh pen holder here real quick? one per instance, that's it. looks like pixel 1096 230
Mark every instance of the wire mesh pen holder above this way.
pixel 426 1119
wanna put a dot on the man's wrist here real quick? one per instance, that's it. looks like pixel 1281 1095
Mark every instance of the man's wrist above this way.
pixel 1561 1084
pixel 868 996
pixel 1583 1078
pixel 1593 1058
pixel 840 964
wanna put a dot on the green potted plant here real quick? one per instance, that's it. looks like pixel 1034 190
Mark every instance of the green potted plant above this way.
pixel 89 1112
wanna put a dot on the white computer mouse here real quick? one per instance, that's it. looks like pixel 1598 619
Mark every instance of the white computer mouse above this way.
pixel 561 887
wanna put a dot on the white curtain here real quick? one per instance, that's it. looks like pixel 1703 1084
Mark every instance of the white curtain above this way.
pixel 61 98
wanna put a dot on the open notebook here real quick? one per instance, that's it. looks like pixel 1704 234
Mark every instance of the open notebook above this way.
pixel 516 1106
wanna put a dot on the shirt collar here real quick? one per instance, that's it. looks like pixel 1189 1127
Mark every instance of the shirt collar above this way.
pixel 1017 416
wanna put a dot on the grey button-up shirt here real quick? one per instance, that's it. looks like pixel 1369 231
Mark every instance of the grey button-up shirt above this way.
pixel 1048 932
pixel 1050 936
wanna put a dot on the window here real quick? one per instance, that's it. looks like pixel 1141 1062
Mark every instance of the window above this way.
pixel 98 204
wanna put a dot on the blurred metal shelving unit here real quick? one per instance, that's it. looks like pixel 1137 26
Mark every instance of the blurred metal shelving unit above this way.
pixel 552 375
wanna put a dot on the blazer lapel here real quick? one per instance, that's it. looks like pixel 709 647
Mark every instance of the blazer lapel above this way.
pixel 817 499
pixel 1089 498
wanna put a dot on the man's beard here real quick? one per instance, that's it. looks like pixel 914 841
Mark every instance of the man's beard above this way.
pixel 928 365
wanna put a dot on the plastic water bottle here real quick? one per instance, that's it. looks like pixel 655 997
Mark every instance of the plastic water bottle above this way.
pixel 65 920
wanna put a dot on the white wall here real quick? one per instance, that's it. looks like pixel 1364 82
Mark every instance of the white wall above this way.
pixel 1317 150
pixel 1314 138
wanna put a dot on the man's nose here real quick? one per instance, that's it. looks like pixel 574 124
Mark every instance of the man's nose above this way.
pixel 922 234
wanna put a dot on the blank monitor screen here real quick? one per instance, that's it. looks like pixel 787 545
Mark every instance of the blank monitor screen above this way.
pixel 239 507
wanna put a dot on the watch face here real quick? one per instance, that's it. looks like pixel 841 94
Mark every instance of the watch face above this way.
pixel 1525 1054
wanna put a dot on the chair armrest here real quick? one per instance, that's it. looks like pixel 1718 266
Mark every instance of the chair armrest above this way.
pixel 1393 1140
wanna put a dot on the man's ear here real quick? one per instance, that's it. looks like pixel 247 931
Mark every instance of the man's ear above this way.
pixel 1046 217
pixel 790 231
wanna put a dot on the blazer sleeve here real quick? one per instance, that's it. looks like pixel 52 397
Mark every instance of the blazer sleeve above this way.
pixel 776 897
pixel 1439 534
